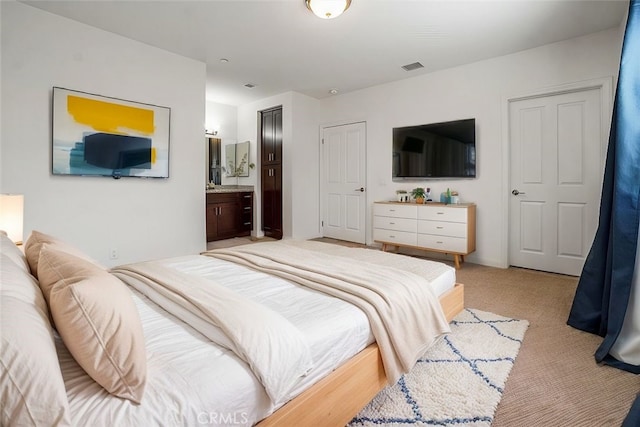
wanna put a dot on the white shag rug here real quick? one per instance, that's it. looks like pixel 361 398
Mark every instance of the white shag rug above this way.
pixel 458 382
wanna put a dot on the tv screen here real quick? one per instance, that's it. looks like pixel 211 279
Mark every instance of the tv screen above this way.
pixel 436 150
pixel 103 136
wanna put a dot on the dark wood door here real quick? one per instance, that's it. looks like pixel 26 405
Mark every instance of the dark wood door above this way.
pixel 271 172
pixel 271 136
pixel 272 201
pixel 228 218
pixel 212 223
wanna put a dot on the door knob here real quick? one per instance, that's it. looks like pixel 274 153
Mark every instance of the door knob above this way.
pixel 361 189
pixel 516 192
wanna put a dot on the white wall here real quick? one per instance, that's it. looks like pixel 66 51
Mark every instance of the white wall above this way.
pixel 477 90
pixel 305 168
pixel 300 161
pixel 141 218
pixel 224 118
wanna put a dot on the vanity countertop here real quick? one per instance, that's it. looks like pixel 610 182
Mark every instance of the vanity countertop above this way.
pixel 230 188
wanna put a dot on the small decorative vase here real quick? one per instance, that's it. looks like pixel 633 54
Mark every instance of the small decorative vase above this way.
pixel 419 200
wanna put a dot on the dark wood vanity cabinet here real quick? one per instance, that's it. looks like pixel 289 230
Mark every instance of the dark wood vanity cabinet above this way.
pixel 246 217
pixel 229 215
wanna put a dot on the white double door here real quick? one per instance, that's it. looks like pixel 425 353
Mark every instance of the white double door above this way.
pixel 344 198
pixel 556 171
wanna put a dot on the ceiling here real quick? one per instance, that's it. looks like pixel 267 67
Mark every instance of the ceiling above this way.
pixel 280 46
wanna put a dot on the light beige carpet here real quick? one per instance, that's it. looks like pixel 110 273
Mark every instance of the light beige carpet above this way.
pixel 555 380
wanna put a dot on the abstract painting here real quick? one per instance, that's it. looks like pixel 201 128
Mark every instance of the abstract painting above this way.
pixel 104 136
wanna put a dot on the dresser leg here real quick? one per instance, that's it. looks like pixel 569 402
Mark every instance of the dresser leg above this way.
pixel 456 260
pixel 387 246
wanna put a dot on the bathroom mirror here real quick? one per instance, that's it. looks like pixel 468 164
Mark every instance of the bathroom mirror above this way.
pixel 237 159
pixel 242 158
pixel 214 167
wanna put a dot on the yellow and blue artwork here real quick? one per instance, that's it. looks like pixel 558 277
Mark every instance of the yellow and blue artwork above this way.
pixel 103 136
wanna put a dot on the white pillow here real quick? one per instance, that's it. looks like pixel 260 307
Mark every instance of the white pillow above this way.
pixel 98 321
pixel 32 390
pixel 10 249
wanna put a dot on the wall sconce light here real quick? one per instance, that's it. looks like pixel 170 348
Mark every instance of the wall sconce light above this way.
pixel 327 9
pixel 11 216
pixel 212 130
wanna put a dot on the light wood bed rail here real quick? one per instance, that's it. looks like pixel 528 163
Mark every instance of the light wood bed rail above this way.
pixel 337 398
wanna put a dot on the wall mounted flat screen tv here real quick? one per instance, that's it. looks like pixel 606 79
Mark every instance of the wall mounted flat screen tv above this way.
pixel 436 150
pixel 103 136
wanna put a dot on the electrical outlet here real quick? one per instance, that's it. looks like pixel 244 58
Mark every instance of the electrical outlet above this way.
pixel 113 253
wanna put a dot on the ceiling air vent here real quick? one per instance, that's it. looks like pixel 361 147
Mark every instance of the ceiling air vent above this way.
pixel 411 67
pixel 250 85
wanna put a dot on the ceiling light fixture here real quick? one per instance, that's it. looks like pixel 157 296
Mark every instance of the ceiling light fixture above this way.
pixel 327 9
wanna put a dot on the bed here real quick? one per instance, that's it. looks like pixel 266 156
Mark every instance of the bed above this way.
pixel 347 367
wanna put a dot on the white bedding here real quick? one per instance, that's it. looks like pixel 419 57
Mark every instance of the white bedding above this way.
pixel 192 381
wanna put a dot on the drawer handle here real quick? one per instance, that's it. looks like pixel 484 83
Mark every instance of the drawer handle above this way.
pixel 247 197
pixel 247 223
pixel 391 235
pixel 440 213
pixel 392 223
pixel 439 228
pixel 392 210
pixel 247 208
pixel 439 242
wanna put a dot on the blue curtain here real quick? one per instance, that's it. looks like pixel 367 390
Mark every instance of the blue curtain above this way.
pixel 600 303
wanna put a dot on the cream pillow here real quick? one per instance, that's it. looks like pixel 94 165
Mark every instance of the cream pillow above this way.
pixel 32 390
pixel 32 251
pixel 98 321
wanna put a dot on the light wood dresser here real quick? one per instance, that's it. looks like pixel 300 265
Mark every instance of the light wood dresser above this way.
pixel 436 227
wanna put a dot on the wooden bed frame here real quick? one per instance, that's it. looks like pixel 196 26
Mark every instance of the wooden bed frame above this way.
pixel 337 398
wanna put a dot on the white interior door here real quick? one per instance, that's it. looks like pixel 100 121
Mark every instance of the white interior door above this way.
pixel 555 175
pixel 344 182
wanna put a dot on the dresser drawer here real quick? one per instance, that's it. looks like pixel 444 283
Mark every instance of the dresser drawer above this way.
pixel 443 243
pixel 395 210
pixel 443 228
pixel 399 224
pixel 443 213
pixel 391 236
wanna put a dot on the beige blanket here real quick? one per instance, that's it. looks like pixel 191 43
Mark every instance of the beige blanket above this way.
pixel 275 350
pixel 405 315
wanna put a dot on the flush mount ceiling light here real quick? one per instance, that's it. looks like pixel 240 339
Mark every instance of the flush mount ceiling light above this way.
pixel 327 9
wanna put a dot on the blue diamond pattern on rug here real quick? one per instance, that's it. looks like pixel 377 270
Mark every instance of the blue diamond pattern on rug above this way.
pixel 459 380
